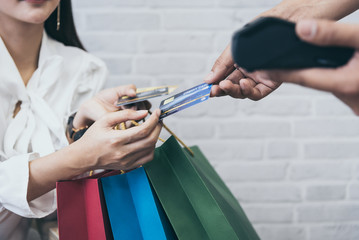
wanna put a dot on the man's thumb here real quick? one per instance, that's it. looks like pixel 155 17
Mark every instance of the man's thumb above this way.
pixel 328 33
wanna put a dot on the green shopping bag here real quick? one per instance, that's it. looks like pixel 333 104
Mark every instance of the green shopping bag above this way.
pixel 196 201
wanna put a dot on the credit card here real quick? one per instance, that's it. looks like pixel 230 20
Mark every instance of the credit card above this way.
pixel 185 99
pixel 143 94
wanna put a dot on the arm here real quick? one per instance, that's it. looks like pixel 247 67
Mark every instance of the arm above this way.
pixel 240 84
pixel 101 147
pixel 295 10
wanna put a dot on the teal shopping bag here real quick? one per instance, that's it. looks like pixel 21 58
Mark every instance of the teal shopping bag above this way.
pixel 196 201
pixel 133 210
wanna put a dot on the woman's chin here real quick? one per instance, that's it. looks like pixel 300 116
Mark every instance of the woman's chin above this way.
pixel 36 11
pixel 34 20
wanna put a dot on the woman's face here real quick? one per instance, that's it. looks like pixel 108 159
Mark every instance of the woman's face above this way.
pixel 28 11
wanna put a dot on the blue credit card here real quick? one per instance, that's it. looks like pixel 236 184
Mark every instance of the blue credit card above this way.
pixel 185 99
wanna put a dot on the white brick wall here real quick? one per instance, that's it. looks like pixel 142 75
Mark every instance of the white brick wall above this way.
pixel 292 159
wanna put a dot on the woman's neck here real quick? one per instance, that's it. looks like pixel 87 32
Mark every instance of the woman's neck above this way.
pixel 23 42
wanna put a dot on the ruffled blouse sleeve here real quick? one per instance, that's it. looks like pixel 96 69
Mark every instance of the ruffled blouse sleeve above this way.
pixel 13 195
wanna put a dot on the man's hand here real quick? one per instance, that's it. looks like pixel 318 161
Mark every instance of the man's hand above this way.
pixel 343 82
pixel 229 79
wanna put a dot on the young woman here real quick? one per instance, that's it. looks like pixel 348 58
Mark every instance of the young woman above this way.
pixel 46 76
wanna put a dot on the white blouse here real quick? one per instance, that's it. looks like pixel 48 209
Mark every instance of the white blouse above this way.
pixel 66 76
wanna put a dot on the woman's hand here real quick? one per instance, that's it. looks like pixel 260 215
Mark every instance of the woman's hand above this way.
pixel 106 148
pixel 104 102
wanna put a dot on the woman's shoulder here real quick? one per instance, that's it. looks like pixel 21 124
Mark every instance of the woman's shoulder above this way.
pixel 79 67
pixel 76 58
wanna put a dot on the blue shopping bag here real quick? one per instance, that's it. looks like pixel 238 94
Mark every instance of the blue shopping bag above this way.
pixel 133 209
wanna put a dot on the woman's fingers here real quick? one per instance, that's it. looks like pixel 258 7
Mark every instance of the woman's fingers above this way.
pixel 145 159
pixel 131 153
pixel 127 90
pixel 121 149
pixel 139 132
pixel 131 160
pixel 114 118
pixel 148 141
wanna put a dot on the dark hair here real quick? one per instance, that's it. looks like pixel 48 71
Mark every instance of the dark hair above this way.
pixel 67 33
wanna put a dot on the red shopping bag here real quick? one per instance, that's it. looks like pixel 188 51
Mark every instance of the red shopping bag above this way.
pixel 81 209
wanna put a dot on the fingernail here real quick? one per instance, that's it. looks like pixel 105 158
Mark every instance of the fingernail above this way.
pixel 132 92
pixel 307 29
pixel 209 76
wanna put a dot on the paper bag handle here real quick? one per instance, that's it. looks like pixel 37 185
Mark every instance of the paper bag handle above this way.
pixel 122 126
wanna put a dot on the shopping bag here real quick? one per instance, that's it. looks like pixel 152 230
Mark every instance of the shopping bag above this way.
pixel 134 212
pixel 81 210
pixel 195 199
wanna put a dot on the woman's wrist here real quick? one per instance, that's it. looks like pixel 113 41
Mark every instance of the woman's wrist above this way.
pixel 64 164
pixel 86 155
pixel 76 164
pixel 73 133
